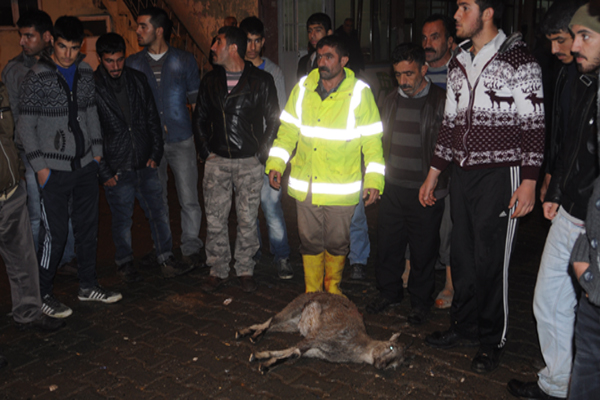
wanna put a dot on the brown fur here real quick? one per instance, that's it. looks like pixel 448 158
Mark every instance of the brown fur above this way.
pixel 333 330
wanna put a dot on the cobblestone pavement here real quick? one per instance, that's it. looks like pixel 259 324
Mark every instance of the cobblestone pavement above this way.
pixel 168 340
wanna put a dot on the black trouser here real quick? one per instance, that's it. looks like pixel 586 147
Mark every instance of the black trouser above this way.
pixel 82 186
pixel 482 241
pixel 585 380
pixel 404 221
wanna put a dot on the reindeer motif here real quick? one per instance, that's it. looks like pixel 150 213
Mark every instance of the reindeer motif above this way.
pixel 333 330
pixel 532 96
pixel 491 92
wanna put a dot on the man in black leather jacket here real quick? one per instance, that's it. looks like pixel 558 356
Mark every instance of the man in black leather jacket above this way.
pixel 132 149
pixel 412 116
pixel 235 122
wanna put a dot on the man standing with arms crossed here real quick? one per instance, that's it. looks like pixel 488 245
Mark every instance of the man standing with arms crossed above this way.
pixel 331 119
pixel 174 80
pixel 493 131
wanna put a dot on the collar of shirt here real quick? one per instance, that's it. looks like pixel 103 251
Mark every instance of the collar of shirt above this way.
pixel 475 65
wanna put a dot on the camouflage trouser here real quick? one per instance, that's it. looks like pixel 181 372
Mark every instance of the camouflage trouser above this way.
pixel 245 176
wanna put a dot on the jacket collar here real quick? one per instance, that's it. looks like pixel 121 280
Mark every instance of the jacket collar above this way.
pixel 46 59
pixel 312 80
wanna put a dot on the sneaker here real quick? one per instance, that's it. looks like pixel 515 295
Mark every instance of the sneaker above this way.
pixel 284 269
pixel 54 308
pixel 42 323
pixel 358 272
pixel 380 303
pixel 98 293
pixel 128 272
pixel 171 268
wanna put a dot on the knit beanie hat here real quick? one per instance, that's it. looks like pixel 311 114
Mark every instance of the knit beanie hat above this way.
pixel 582 17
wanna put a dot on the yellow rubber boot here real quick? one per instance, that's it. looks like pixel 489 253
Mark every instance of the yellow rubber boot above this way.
pixel 334 266
pixel 314 271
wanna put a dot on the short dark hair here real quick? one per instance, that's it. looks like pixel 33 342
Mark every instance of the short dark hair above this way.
pixel 449 24
pixel 337 42
pixel 409 52
pixel 319 19
pixel 559 16
pixel 159 19
pixel 235 36
pixel 110 43
pixel 496 5
pixel 36 19
pixel 253 26
pixel 69 28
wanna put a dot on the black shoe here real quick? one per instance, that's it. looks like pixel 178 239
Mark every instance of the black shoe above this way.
pixel 3 362
pixel 42 323
pixel 528 390
pixel 487 359
pixel 172 268
pixel 197 259
pixel 149 260
pixel 358 272
pixel 449 339
pixel 248 283
pixel 128 272
pixel 381 303
pixel 418 316
pixel 211 283
pixel 68 269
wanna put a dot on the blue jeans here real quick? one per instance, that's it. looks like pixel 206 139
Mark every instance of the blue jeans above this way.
pixel 270 201
pixel 181 156
pixel 360 247
pixel 554 304
pixel 585 381
pixel 144 185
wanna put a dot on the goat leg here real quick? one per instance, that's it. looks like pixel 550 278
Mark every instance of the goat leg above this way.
pixel 256 330
pixel 275 358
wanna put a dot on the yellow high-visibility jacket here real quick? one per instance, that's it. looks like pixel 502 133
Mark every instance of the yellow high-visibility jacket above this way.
pixel 330 135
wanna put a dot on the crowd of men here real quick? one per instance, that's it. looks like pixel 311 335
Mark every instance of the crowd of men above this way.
pixel 453 159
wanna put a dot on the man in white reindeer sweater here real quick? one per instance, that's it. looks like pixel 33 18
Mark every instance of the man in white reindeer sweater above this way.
pixel 493 130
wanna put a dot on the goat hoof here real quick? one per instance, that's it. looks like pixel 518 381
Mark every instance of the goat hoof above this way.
pixel 262 369
pixel 252 358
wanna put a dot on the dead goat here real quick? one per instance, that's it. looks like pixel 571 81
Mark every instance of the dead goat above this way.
pixel 333 330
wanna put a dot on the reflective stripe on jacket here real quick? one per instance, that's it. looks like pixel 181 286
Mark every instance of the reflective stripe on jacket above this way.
pixel 328 136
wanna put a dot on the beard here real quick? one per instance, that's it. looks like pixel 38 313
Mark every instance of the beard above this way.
pixel 474 31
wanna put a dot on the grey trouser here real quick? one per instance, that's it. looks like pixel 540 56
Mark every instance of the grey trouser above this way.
pixel 323 227
pixel 181 157
pixel 245 177
pixel 18 253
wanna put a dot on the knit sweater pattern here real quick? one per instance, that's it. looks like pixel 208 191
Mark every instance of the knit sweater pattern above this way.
pixel 497 119
pixel 44 126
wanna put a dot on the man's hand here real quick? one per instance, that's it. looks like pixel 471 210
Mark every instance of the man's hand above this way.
pixel 426 197
pixel 524 197
pixel 579 268
pixel 550 210
pixel 112 181
pixel 544 188
pixel 151 163
pixel 42 176
pixel 371 196
pixel 275 179
pixel 97 158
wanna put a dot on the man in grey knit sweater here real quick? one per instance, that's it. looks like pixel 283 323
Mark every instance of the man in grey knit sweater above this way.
pixel 60 132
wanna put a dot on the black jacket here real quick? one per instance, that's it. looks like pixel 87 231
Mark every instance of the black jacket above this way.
pixel 127 147
pixel 233 125
pixel 432 115
pixel 576 167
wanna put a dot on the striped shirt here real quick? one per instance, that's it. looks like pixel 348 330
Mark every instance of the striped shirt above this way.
pixel 405 164
pixel 156 62
pixel 232 79
pixel 438 76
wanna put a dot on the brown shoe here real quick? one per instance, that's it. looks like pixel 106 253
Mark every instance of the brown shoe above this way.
pixel 211 283
pixel 248 283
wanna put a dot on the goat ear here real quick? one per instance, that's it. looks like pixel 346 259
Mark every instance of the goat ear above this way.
pixel 395 337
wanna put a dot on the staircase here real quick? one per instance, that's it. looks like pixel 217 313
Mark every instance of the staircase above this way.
pixel 180 37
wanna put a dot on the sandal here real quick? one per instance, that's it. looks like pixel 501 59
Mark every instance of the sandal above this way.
pixel 444 299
